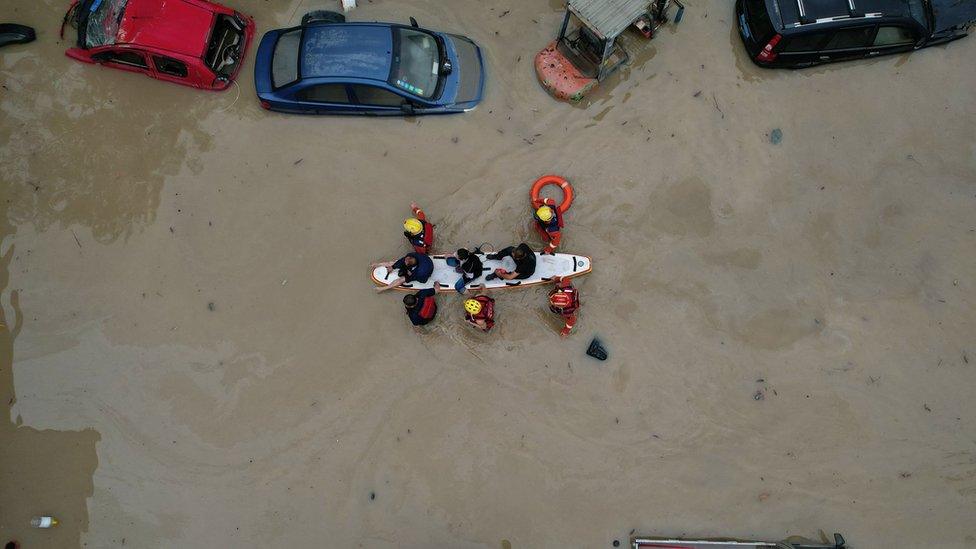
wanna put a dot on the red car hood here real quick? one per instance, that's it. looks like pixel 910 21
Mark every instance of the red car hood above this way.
pixel 174 25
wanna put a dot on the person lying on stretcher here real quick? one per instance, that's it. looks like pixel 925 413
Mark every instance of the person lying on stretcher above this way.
pixel 411 267
pixel 524 259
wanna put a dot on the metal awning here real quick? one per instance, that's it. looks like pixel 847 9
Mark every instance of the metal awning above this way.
pixel 609 17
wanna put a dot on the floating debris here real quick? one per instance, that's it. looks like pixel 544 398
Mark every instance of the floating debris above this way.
pixel 596 350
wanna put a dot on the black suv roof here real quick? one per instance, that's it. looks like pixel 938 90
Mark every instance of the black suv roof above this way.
pixel 798 13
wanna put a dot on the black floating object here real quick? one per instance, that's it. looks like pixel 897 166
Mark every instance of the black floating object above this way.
pixel 15 34
pixel 596 350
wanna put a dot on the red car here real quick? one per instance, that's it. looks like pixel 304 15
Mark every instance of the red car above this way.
pixel 191 42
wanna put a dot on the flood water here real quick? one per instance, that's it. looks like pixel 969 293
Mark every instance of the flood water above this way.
pixel 193 355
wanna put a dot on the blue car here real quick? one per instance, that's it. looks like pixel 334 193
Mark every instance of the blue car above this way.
pixel 329 66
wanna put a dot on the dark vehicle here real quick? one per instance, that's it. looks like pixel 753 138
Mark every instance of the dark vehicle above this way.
pixel 802 33
pixel 328 66
pixel 15 34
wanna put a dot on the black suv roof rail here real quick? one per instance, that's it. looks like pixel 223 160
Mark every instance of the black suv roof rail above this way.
pixel 826 11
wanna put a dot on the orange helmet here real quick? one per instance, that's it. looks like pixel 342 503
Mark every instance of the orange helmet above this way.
pixel 561 300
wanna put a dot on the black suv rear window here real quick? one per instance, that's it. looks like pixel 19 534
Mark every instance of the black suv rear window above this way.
pixel 759 23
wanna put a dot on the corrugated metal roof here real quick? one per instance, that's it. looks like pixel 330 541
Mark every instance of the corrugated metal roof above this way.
pixel 609 17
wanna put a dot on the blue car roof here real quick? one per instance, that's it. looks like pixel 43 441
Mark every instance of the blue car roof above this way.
pixel 347 50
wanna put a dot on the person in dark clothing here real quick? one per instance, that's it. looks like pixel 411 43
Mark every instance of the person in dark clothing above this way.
pixel 469 265
pixel 524 259
pixel 421 307
pixel 413 267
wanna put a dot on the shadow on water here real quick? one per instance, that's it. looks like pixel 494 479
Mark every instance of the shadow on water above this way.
pixel 42 472
pixel 61 126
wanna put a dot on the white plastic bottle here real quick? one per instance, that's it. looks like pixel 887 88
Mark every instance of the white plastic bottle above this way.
pixel 44 522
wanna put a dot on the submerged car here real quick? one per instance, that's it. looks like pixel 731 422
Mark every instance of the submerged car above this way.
pixel 191 42
pixel 803 33
pixel 329 66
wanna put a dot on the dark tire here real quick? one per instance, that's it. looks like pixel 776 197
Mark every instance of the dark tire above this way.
pixel 323 16
pixel 16 34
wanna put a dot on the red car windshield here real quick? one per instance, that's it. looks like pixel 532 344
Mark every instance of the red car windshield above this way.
pixel 101 19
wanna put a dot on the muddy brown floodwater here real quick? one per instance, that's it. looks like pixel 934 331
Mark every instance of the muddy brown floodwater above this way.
pixel 791 328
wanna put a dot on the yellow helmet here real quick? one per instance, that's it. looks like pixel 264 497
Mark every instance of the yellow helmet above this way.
pixel 413 226
pixel 545 213
pixel 472 306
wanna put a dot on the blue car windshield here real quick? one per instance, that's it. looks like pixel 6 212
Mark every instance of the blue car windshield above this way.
pixel 417 65
pixel 103 20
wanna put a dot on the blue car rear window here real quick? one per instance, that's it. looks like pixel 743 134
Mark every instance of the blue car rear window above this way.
pixel 284 65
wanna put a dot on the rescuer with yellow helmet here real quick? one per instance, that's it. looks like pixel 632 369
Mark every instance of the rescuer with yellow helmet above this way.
pixel 419 231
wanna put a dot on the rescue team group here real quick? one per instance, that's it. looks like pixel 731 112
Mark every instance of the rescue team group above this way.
pixel 479 310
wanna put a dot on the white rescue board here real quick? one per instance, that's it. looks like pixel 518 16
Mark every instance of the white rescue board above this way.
pixel 546 267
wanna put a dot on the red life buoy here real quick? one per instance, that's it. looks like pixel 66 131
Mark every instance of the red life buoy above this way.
pixel 552 180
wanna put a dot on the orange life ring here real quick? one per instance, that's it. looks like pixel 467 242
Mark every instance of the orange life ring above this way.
pixel 559 182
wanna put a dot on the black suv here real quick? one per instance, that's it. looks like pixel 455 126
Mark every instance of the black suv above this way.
pixel 801 33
